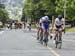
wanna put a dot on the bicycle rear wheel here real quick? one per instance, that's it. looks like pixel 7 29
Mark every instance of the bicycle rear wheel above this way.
pixel 41 38
pixel 56 42
pixel 60 42
pixel 45 39
pixel 29 28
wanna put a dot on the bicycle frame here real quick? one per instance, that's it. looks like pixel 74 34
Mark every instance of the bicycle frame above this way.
pixel 58 38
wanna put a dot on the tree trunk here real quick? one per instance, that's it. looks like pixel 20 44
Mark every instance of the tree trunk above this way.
pixel 72 24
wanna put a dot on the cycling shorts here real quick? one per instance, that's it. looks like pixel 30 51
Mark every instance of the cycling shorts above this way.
pixel 46 27
pixel 58 27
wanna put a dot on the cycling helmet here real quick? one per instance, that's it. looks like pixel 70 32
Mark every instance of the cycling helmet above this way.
pixel 60 17
pixel 46 17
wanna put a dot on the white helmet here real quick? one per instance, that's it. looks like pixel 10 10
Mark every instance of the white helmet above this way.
pixel 46 17
pixel 43 18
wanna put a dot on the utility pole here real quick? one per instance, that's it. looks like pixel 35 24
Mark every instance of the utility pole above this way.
pixel 64 13
pixel 64 9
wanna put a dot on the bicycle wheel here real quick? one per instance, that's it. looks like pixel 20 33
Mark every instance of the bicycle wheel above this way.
pixel 41 38
pixel 29 28
pixel 60 42
pixel 38 33
pixel 45 39
pixel 38 37
pixel 56 41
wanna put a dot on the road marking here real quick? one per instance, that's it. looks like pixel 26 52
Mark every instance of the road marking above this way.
pixel 51 50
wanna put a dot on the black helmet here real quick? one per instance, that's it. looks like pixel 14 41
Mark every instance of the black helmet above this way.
pixel 60 17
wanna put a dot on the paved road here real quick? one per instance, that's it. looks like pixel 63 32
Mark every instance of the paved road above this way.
pixel 23 43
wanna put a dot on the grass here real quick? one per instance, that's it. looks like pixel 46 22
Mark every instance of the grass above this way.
pixel 70 29
pixel 67 29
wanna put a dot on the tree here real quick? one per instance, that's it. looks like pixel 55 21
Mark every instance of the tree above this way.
pixel 70 8
pixel 35 9
pixel 3 14
pixel 38 8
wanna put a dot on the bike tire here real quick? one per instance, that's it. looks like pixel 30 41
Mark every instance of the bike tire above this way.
pixel 56 42
pixel 60 42
pixel 41 38
pixel 46 40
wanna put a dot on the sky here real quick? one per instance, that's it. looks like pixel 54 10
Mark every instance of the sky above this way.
pixel 13 2
pixel 11 6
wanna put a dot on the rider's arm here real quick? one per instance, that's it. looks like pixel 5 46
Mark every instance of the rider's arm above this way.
pixel 63 26
pixel 63 21
pixel 54 24
pixel 40 22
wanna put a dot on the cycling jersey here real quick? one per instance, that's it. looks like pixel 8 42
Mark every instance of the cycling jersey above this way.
pixel 59 23
pixel 44 22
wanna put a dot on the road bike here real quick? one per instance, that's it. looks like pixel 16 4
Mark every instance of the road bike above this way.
pixel 45 38
pixel 58 39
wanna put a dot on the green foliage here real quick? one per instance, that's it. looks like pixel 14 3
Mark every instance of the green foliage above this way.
pixel 35 9
pixel 70 8
pixel 3 14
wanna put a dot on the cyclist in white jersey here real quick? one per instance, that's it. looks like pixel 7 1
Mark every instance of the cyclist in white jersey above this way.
pixel 59 24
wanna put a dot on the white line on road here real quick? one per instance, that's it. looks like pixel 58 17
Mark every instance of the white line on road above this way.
pixel 51 50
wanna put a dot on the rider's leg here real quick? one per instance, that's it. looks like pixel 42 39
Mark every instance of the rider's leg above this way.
pixel 56 32
pixel 46 33
pixel 60 35
pixel 41 34
pixel 38 33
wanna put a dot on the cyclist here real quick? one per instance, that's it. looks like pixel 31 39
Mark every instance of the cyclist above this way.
pixel 30 26
pixel 40 24
pixel 44 24
pixel 59 24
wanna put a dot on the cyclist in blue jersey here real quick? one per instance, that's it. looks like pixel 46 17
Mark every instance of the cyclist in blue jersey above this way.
pixel 44 26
